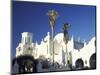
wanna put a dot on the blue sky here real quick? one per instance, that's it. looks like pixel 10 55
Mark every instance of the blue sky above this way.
pixel 31 17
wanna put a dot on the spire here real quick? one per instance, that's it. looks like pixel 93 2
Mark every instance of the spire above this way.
pixel 84 42
pixel 36 43
pixel 48 34
pixel 42 41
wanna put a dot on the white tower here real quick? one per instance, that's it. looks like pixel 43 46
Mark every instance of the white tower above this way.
pixel 26 38
pixel 26 46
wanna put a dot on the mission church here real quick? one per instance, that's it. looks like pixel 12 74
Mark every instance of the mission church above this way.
pixel 77 55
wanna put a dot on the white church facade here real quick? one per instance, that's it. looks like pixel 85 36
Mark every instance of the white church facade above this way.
pixel 78 53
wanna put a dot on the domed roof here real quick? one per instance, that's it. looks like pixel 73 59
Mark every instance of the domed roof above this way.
pixel 92 41
pixel 59 37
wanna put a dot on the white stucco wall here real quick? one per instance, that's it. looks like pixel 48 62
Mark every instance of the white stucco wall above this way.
pixel 43 49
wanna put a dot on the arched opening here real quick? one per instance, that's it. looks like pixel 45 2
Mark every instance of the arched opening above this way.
pixel 56 65
pixel 26 64
pixel 92 61
pixel 79 64
pixel 14 66
pixel 44 62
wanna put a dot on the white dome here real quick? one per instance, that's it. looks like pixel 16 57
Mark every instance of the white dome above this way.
pixel 59 37
pixel 92 42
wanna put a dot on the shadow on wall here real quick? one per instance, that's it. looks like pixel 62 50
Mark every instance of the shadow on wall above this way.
pixel 27 64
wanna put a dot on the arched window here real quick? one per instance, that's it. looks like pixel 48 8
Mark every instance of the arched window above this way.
pixel 92 61
pixel 79 64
